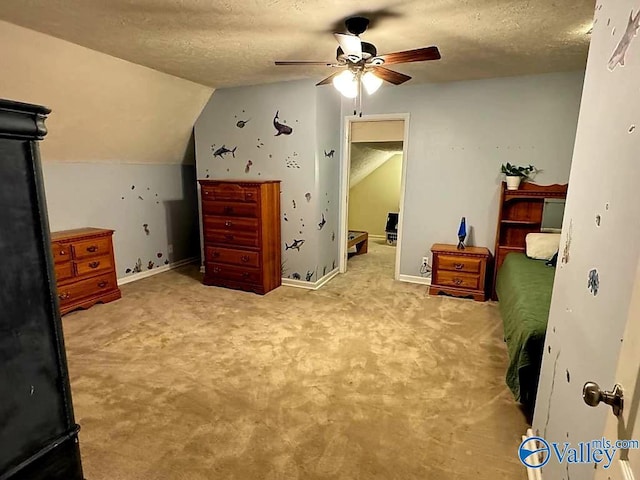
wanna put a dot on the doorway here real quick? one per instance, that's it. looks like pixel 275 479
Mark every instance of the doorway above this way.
pixel 375 147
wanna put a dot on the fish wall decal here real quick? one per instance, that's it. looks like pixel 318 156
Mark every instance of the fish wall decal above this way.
pixel 242 123
pixel 619 54
pixel 296 244
pixel 322 223
pixel 224 151
pixel 280 128
pixel 329 154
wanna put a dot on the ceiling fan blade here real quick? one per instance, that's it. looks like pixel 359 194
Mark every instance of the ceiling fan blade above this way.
pixel 390 76
pixel 417 55
pixel 326 64
pixel 327 80
pixel 350 44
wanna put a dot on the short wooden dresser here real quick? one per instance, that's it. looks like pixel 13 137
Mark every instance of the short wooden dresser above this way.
pixel 85 268
pixel 460 273
pixel 241 228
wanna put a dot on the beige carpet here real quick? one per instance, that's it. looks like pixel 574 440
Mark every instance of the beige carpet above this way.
pixel 366 378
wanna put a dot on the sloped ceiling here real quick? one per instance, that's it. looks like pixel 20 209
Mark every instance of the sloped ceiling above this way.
pixel 367 157
pixel 223 43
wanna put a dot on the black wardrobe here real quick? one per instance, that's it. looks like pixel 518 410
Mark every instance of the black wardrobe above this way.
pixel 38 434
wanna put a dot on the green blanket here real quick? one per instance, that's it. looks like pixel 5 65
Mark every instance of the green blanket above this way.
pixel 524 290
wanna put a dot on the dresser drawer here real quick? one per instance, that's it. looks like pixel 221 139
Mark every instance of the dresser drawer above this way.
pixel 232 256
pixel 228 272
pixel 232 224
pixel 239 239
pixel 460 280
pixel 231 192
pixel 91 248
pixel 76 291
pixel 61 252
pixel 230 209
pixel 63 271
pixel 94 265
pixel 460 264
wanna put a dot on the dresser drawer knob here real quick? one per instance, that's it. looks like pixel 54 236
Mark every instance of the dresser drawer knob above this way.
pixel 228 223
pixel 103 284
pixel 64 296
pixel 216 269
pixel 245 274
pixel 244 258
pixel 229 237
pixel 459 266
pixel 457 281
pixel 249 194
pixel 215 254
pixel 62 252
pixel 92 248
pixel 94 264
pixel 206 192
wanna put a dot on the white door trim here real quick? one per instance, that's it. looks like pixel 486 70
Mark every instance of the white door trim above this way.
pixel 344 182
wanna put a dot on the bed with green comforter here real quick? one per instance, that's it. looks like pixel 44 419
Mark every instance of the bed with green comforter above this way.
pixel 524 290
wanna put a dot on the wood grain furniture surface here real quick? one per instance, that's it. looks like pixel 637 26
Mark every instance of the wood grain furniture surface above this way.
pixel 460 273
pixel 520 214
pixel 39 435
pixel 360 240
pixel 241 229
pixel 85 267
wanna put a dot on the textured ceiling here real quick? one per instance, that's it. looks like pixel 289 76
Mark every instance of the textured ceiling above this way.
pixel 223 43
pixel 367 157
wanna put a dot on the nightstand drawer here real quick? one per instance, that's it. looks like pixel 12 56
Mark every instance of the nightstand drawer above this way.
pixel 460 264
pixel 460 280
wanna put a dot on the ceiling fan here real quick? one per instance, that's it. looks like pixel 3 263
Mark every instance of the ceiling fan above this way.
pixel 360 63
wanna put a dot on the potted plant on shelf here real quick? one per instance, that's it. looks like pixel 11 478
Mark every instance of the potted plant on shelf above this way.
pixel 515 174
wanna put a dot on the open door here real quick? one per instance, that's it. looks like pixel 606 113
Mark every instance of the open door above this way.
pixel 625 427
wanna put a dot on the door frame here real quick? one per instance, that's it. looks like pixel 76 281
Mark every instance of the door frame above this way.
pixel 344 182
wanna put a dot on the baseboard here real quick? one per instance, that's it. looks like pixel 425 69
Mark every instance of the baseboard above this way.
pixel 289 282
pixel 378 237
pixel 414 279
pixel 149 273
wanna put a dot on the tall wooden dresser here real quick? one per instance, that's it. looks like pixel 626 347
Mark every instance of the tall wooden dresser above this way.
pixel 241 228
pixel 85 267
pixel 38 432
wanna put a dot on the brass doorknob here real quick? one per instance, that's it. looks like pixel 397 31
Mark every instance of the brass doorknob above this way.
pixel 593 395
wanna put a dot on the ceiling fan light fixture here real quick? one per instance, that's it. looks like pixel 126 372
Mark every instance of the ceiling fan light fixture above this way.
pixel 371 82
pixel 347 84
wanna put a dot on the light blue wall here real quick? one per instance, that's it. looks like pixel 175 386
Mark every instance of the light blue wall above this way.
pixel 101 195
pixel 460 133
pixel 298 160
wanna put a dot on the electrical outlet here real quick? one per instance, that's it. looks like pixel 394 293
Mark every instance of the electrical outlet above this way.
pixel 425 262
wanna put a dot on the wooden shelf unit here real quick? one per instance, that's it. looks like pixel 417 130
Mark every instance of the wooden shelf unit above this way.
pixel 520 214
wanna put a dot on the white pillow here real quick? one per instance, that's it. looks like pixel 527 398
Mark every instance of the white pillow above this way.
pixel 542 246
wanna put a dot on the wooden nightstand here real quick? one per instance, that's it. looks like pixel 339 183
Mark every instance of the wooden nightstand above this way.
pixel 460 273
